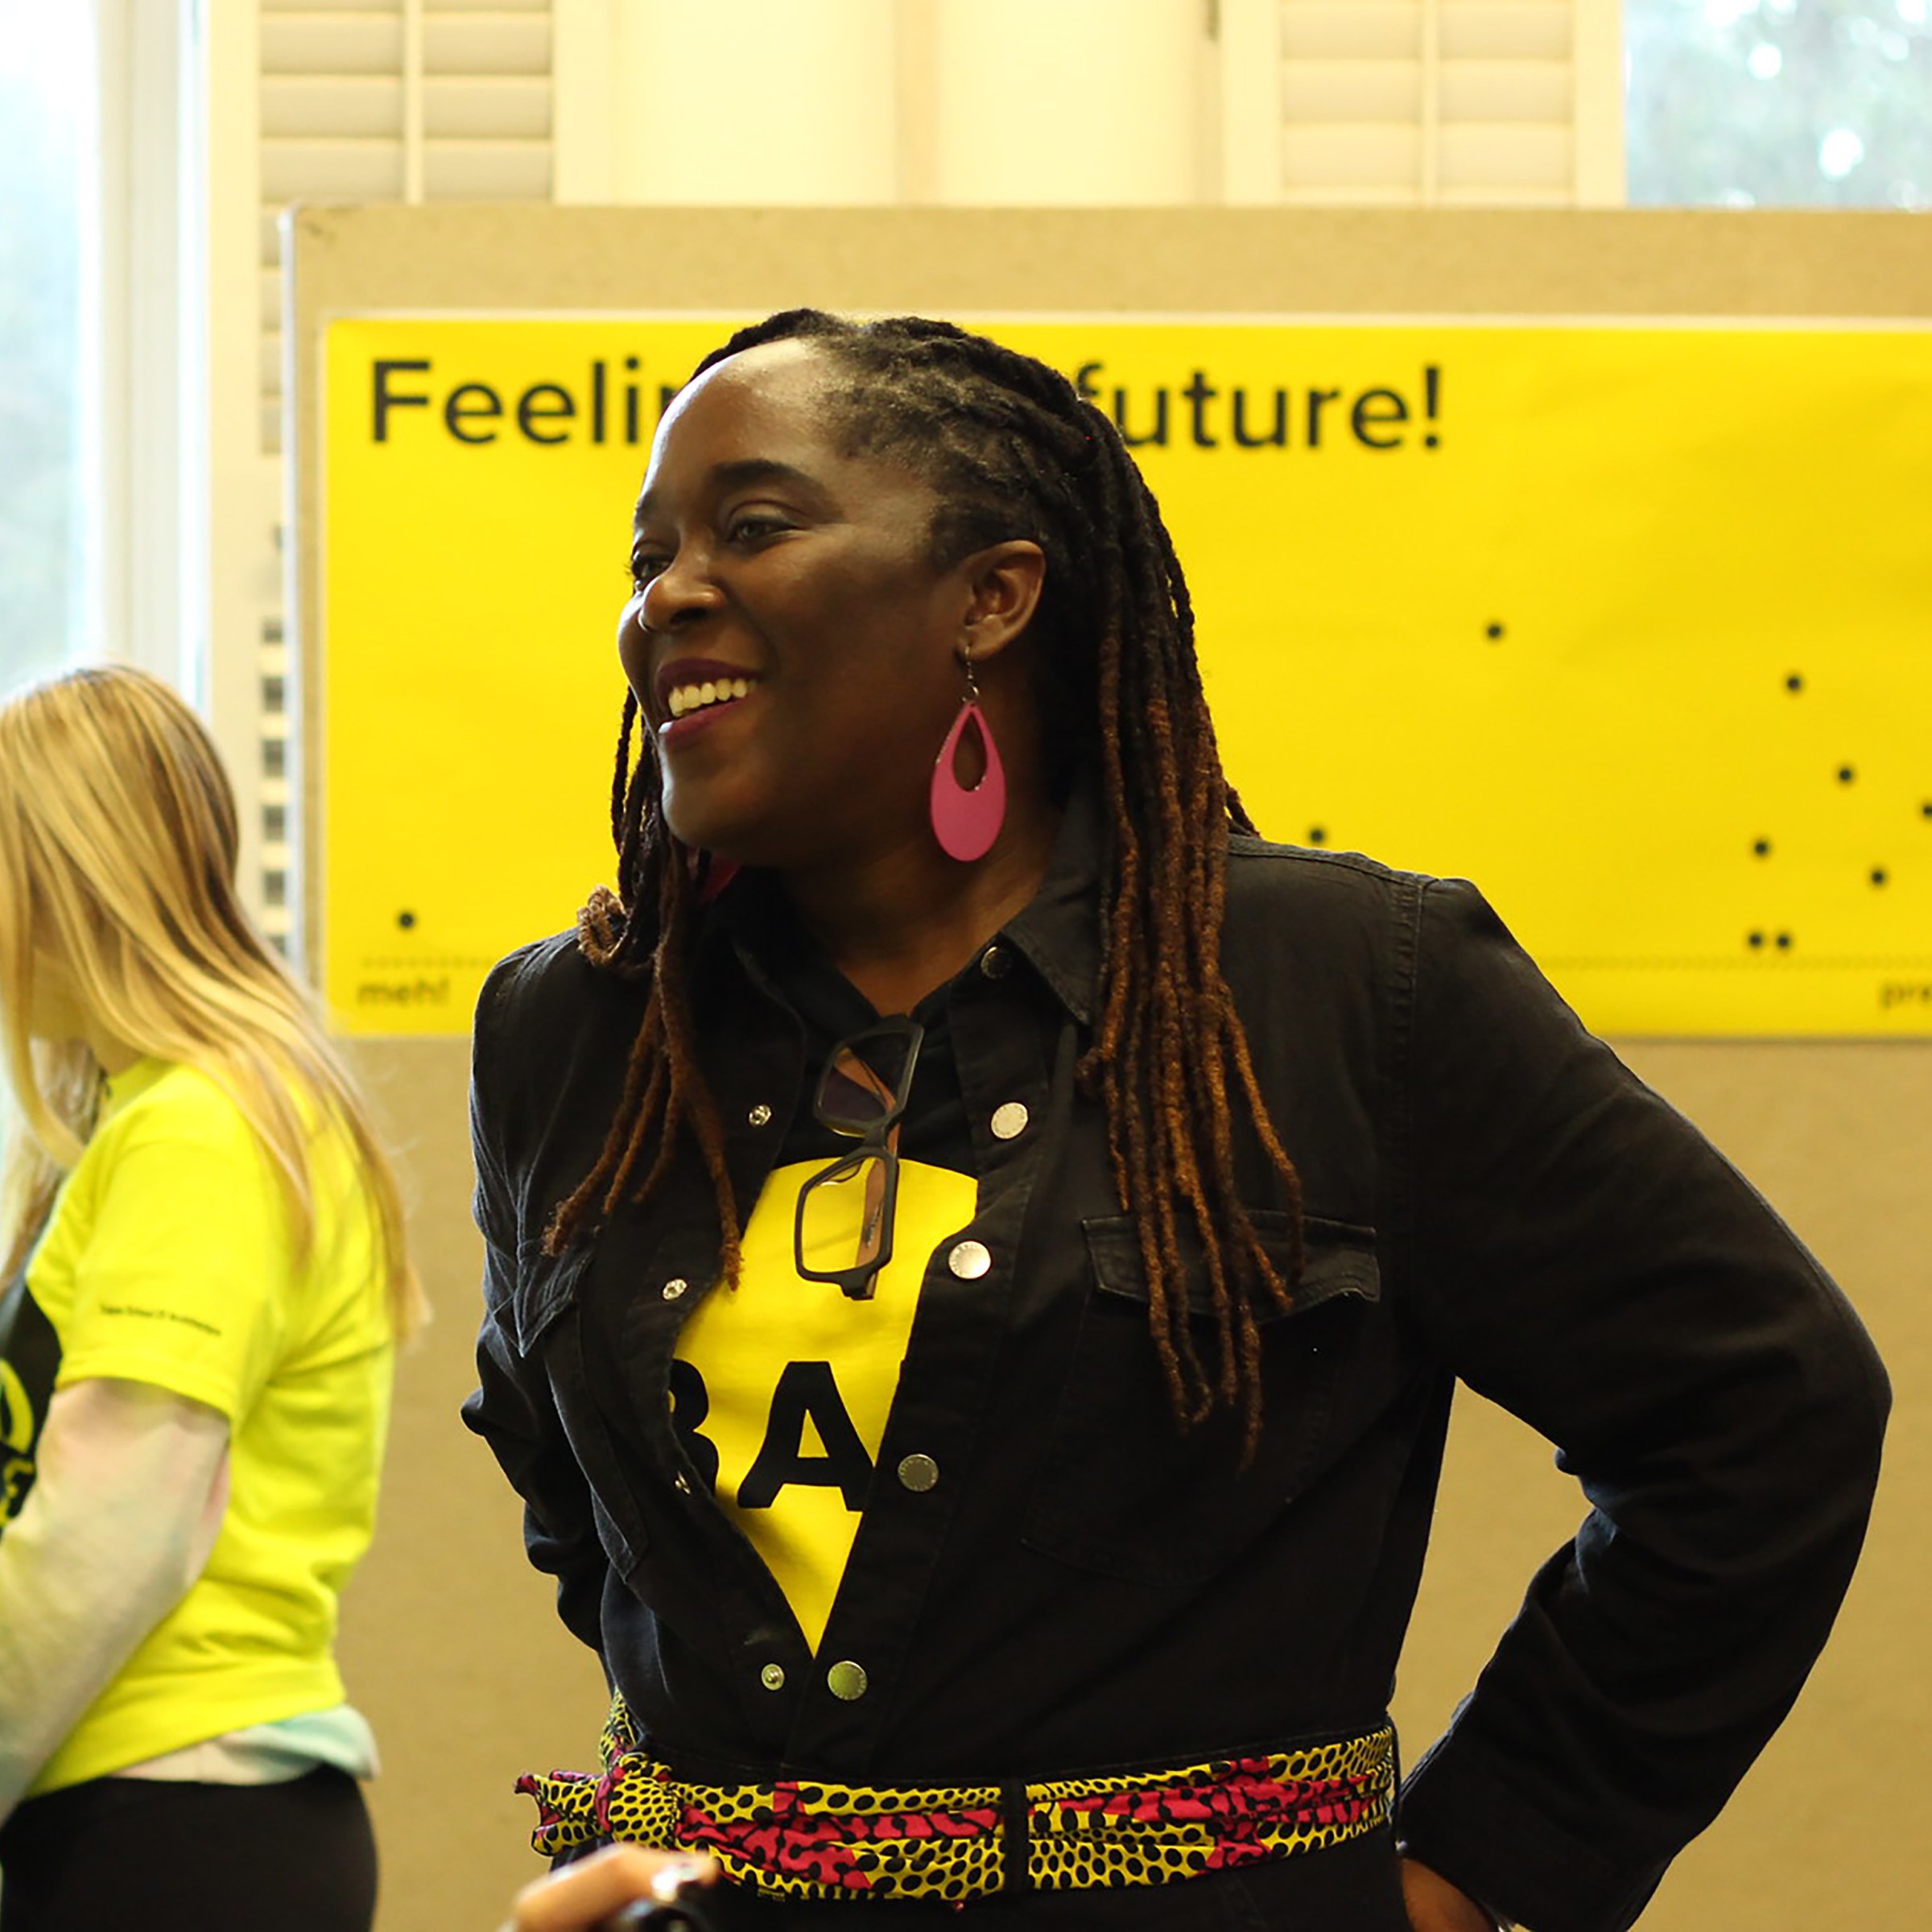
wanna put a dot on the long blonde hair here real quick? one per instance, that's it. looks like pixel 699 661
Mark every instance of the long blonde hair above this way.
pixel 117 856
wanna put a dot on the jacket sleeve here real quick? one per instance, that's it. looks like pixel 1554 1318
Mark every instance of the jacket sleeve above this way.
pixel 1576 1251
pixel 513 1409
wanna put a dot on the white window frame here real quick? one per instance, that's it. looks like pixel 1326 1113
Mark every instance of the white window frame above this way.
pixel 180 555
pixel 138 410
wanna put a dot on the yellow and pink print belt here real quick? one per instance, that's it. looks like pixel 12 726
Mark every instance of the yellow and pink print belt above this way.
pixel 806 1838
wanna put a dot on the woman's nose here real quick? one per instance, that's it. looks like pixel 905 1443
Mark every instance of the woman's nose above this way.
pixel 681 590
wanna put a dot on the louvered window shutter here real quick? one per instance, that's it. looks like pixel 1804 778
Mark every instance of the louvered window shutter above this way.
pixel 364 100
pixel 1426 102
pixel 397 101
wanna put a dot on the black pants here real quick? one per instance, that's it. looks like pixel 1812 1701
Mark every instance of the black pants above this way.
pixel 149 1854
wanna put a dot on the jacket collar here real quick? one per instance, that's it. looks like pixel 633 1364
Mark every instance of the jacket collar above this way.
pixel 1058 931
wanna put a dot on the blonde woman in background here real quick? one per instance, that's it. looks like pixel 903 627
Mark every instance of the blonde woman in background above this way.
pixel 206 1283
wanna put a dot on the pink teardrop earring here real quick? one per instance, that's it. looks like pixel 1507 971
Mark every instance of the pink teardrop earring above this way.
pixel 967 822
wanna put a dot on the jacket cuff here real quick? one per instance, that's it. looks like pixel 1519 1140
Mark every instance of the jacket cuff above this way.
pixel 1461 1820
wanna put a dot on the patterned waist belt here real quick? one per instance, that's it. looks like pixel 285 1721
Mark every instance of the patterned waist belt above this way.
pixel 806 1838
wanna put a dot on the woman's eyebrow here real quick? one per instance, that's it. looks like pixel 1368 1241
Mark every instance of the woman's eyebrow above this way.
pixel 746 470
pixel 762 470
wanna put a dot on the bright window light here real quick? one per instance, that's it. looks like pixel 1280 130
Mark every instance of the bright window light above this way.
pixel 46 225
pixel 1779 103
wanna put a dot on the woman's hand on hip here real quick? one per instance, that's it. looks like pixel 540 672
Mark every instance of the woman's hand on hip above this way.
pixel 1436 1905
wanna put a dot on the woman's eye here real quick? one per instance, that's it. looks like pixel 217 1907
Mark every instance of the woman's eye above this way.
pixel 755 524
pixel 644 567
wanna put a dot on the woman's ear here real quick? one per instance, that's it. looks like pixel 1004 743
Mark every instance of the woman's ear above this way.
pixel 1003 583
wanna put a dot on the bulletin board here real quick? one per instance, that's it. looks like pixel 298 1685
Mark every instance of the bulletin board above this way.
pixel 466 1686
pixel 1608 587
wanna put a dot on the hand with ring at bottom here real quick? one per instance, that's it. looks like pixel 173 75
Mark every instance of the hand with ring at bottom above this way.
pixel 621 1888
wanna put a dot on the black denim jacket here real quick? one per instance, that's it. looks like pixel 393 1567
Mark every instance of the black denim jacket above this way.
pixel 1491 1196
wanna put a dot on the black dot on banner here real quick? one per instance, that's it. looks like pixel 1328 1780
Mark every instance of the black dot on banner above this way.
pixel 1846 774
pixel 1754 939
pixel 1430 442
pixel 405 920
pixel 1925 811
pixel 1762 848
pixel 1784 942
pixel 1880 876
pixel 1494 633
pixel 1318 835
pixel 1794 682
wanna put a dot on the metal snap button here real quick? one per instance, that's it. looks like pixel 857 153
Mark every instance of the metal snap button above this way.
pixel 996 962
pixel 969 1260
pixel 772 1677
pixel 674 1287
pixel 760 1116
pixel 846 1680
pixel 918 1472
pixel 1009 1121
pixel 682 1483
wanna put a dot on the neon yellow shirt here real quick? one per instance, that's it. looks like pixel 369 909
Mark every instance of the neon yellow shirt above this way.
pixel 167 1261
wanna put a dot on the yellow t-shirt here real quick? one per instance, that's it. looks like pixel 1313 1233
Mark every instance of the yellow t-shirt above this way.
pixel 167 1261
pixel 782 1389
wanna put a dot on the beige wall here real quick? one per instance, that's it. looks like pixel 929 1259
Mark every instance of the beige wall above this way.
pixel 449 1642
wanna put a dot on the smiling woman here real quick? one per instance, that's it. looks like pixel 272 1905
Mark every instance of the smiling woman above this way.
pixel 776 574
pixel 972 1317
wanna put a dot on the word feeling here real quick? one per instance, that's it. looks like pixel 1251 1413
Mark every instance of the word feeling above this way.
pixel 616 405
pixel 543 412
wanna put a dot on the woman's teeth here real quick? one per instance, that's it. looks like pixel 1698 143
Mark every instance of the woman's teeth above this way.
pixel 695 697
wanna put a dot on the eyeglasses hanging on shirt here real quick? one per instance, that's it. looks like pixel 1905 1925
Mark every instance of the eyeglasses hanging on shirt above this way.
pixel 846 1210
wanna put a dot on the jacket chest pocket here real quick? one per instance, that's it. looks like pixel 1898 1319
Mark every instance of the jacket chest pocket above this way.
pixel 550 1322
pixel 1121 1488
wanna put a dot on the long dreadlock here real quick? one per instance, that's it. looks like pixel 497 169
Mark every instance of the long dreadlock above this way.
pixel 1011 450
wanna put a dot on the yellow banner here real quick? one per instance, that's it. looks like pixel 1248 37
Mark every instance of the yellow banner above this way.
pixel 1632 625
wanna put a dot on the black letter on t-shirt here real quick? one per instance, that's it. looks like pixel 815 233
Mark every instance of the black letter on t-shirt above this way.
pixel 690 1404
pixel 805 1391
